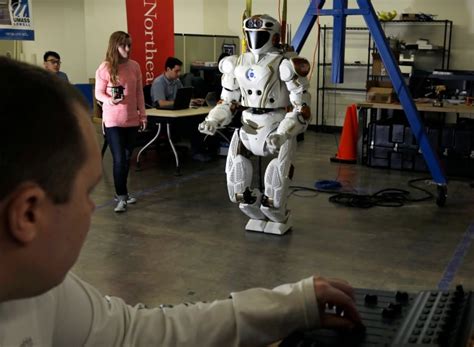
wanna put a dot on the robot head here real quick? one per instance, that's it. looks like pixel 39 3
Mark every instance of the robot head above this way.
pixel 262 33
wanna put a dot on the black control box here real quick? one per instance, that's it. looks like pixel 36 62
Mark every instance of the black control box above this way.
pixel 429 318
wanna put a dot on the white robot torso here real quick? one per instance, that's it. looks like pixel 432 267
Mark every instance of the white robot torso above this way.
pixel 267 83
pixel 259 81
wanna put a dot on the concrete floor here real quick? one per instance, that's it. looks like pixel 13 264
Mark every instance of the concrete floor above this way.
pixel 185 241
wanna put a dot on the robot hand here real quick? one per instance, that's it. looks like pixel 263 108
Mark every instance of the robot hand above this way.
pixel 208 127
pixel 275 141
pixel 217 118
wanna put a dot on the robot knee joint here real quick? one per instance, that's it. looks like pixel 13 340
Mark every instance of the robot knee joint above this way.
pixel 267 202
pixel 246 197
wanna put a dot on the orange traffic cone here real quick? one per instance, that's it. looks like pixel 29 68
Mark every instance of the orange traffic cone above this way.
pixel 347 151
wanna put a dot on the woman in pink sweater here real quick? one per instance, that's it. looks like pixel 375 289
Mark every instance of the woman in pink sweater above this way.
pixel 119 86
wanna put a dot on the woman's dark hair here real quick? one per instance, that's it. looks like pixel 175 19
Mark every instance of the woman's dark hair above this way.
pixel 40 137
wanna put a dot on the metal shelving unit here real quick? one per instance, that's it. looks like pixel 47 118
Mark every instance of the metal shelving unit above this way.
pixel 445 48
pixel 441 55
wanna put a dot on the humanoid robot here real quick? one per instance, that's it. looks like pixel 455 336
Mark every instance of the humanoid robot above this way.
pixel 273 86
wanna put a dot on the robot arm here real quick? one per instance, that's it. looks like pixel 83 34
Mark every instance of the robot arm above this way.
pixel 221 115
pixel 293 72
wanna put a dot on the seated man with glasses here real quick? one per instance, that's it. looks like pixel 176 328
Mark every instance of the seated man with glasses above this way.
pixel 52 62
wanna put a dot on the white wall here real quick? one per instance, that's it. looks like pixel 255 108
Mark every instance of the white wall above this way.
pixel 79 29
pixel 101 18
pixel 59 26
pixel 202 17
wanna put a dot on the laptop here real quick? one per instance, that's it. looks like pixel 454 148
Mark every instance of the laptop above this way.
pixel 182 100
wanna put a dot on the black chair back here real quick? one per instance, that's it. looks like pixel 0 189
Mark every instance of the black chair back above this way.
pixel 147 95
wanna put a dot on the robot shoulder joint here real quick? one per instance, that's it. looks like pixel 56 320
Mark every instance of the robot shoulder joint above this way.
pixel 228 64
pixel 294 66
pixel 301 66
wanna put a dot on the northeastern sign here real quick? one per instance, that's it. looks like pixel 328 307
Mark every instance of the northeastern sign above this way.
pixel 151 26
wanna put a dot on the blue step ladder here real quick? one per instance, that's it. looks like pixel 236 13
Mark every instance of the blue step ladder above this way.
pixel 340 12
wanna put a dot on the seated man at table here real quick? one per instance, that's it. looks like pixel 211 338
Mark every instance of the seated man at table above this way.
pixel 163 93
pixel 44 219
pixel 52 63
pixel 164 87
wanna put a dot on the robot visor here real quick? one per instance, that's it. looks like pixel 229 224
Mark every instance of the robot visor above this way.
pixel 257 39
pixel 254 23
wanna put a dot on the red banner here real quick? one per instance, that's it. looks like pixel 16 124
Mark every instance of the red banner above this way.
pixel 151 26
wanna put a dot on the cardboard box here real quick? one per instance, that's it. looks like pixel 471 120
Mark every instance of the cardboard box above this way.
pixel 408 16
pixel 378 68
pixel 380 92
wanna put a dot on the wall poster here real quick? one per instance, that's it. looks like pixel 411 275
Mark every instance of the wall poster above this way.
pixel 16 22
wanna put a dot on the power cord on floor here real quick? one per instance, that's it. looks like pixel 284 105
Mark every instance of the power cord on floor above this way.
pixel 295 190
pixel 389 197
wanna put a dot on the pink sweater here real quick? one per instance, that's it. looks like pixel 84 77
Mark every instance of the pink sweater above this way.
pixel 131 109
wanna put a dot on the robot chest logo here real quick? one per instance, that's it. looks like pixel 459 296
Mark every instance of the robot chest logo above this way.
pixel 251 75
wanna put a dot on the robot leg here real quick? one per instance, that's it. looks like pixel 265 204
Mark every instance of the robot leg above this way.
pixel 277 180
pixel 239 173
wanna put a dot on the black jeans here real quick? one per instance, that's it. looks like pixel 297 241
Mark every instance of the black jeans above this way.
pixel 122 143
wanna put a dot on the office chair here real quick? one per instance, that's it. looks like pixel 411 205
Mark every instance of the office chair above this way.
pixel 147 95
pixel 144 137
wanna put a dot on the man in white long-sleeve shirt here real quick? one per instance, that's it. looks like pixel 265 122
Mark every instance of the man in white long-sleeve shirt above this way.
pixel 49 164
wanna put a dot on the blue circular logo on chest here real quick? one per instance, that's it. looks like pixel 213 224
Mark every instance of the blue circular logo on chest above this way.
pixel 251 75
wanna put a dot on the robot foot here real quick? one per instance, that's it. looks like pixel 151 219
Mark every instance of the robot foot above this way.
pixel 280 215
pixel 268 227
pixel 252 208
pixel 277 228
pixel 257 225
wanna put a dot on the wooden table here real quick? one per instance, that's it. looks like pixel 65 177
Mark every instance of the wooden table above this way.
pixel 159 116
